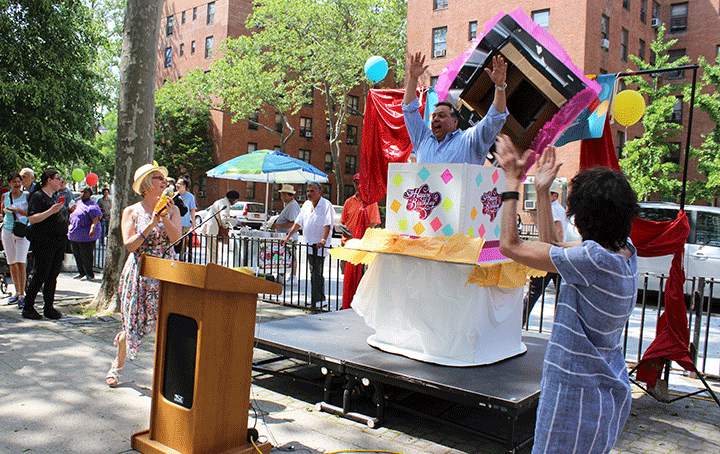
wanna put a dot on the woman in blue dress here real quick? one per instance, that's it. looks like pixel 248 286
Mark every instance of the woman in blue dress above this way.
pixel 585 392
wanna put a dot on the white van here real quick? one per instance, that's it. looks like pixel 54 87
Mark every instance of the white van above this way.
pixel 702 248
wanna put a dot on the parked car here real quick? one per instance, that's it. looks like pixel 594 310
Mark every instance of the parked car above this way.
pixel 251 214
pixel 702 248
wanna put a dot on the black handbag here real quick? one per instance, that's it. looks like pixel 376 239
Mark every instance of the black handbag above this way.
pixel 19 228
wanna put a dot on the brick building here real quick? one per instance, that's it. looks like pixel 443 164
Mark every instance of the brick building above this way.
pixel 189 35
pixel 597 35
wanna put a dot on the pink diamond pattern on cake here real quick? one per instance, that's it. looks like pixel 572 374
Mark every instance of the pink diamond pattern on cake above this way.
pixel 446 176
pixel 495 176
pixel 481 231
pixel 436 224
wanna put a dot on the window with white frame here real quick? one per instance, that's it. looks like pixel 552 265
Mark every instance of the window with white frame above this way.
pixel 439 42
pixel 472 30
pixel 306 127
pixel 304 155
pixel 211 12
pixel 440 4
pixel 542 18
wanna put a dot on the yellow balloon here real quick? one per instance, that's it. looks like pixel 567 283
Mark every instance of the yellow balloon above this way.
pixel 629 107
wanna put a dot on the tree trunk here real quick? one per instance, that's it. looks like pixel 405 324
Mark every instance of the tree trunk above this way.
pixel 135 133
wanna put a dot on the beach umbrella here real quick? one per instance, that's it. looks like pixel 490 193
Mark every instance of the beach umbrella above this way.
pixel 268 166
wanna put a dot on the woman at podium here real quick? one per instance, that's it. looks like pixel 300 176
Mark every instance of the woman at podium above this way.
pixel 149 226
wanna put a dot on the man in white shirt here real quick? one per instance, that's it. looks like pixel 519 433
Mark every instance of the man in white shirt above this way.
pixel 538 284
pixel 316 220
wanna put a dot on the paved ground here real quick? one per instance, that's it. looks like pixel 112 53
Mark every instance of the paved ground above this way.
pixel 53 399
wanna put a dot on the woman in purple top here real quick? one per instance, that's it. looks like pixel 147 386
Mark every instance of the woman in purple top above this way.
pixel 83 232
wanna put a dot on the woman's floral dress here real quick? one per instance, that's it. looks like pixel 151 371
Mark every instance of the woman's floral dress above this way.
pixel 139 295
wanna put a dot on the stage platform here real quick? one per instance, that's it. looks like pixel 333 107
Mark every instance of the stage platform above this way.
pixel 336 341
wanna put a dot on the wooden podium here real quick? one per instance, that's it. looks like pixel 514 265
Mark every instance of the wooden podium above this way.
pixel 203 359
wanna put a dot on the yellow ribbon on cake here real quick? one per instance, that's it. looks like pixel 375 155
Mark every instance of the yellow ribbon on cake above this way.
pixel 459 248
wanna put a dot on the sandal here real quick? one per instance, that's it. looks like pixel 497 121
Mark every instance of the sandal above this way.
pixel 113 376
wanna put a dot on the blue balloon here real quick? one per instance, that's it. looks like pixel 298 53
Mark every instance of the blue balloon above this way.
pixel 376 68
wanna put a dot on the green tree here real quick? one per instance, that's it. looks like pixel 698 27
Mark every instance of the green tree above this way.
pixel 645 162
pixel 324 45
pixel 708 155
pixel 48 91
pixel 182 141
pixel 107 18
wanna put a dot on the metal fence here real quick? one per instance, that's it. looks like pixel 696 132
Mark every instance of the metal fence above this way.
pixel 290 266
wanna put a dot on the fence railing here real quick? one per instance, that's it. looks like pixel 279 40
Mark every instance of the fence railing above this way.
pixel 291 266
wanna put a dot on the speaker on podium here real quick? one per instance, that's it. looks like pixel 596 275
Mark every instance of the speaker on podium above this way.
pixel 203 359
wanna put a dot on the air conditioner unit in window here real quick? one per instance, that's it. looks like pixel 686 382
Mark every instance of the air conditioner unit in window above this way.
pixel 529 205
pixel 655 22
pixel 438 53
pixel 350 142
pixel 605 43
pixel 308 134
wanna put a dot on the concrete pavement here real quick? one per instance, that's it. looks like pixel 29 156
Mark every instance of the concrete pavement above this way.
pixel 53 398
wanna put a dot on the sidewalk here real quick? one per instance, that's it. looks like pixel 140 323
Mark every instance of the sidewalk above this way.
pixel 53 398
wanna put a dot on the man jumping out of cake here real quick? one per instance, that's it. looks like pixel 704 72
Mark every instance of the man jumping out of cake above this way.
pixel 444 142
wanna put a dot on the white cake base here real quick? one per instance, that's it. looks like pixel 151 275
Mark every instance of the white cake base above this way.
pixel 423 310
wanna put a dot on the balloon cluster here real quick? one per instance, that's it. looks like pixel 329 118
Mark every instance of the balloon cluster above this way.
pixel 78 175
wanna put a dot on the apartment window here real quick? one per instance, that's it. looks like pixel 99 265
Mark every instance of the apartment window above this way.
pixel 620 143
pixel 250 190
pixel 655 10
pixel 182 49
pixel 641 50
pixel 168 57
pixel 717 51
pixel 602 71
pixel 253 117
pixel 192 47
pixel 676 116
pixel 350 165
pixel 626 4
pixel 182 17
pixel 433 80
pixel 327 130
pixel 472 30
pixel 279 123
pixel 673 153
pixel 352 133
pixel 674 55
pixel 208 47
pixel 211 13
pixel 439 42
pixel 643 11
pixel 542 18
pixel 251 147
pixel 605 27
pixel 440 4
pixel 328 162
pixel 624 45
pixel 353 104
pixel 304 155
pixel 306 127
pixel 678 17
pixel 195 13
pixel 169 27
pixel 327 191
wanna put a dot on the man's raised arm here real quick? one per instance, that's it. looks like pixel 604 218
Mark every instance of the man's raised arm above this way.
pixel 416 68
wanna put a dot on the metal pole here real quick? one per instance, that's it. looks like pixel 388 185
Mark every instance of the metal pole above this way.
pixel 687 144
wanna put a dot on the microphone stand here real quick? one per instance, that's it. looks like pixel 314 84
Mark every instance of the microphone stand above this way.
pixel 191 231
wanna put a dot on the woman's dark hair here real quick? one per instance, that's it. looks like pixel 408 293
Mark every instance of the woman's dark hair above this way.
pixel 12 176
pixel 604 206
pixel 46 176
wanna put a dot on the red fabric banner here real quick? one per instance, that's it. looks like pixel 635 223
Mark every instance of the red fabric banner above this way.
pixel 600 151
pixel 672 336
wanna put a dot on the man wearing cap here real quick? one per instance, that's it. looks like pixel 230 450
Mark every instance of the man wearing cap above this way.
pixel 351 212
pixel 287 216
pixel 443 142
pixel 83 232
pixel 538 284
pixel 220 214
